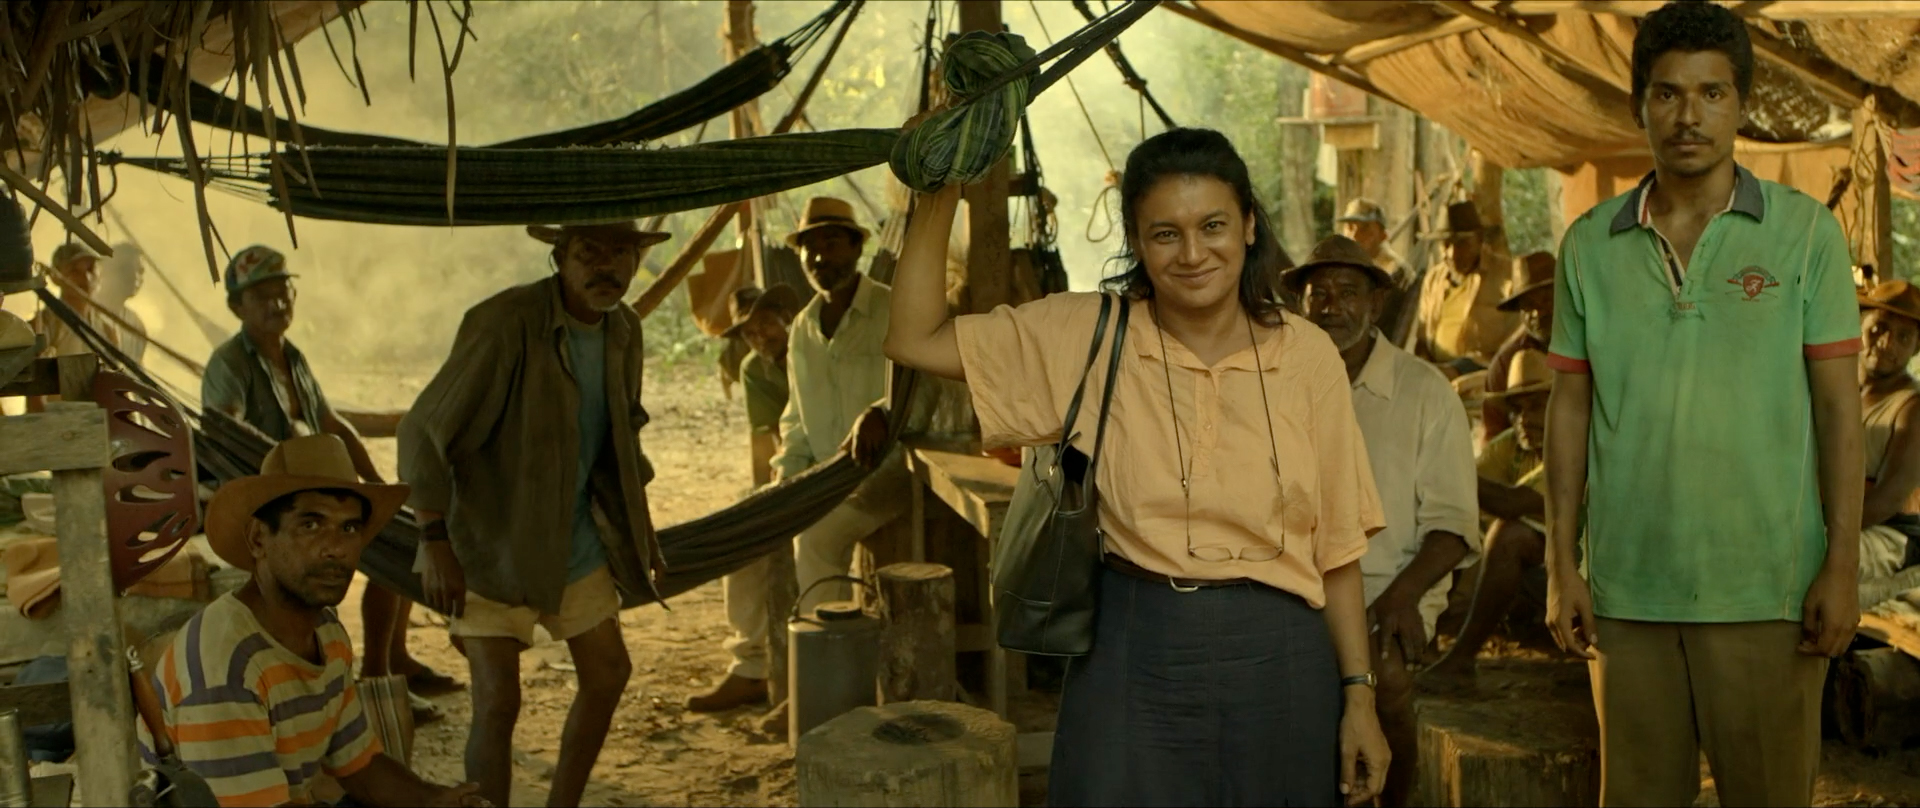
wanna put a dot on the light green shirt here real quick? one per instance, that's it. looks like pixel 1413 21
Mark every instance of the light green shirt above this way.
pixel 1702 487
pixel 831 382
pixel 765 387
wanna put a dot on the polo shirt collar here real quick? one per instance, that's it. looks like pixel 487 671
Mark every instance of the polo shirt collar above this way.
pixel 1747 198
pixel 1377 375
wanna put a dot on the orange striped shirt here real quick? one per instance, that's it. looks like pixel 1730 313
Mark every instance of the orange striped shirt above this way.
pixel 255 719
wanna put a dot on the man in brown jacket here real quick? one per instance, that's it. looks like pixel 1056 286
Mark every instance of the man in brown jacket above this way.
pixel 528 478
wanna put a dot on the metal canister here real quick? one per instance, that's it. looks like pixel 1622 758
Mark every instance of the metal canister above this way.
pixel 833 664
pixel 16 780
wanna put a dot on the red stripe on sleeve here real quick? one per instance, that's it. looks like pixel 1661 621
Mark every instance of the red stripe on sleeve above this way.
pixel 1568 364
pixel 1832 350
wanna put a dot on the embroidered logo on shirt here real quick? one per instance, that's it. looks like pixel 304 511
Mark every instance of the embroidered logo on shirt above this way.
pixel 1753 281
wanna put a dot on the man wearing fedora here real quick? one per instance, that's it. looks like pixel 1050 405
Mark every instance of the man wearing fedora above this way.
pixel 1513 491
pixel 1365 222
pixel 530 484
pixel 761 319
pixel 837 376
pixel 261 378
pixel 1890 329
pixel 257 690
pixel 1532 299
pixel 1461 324
pixel 1421 452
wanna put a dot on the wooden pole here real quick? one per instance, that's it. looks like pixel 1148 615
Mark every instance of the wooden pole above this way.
pixel 744 122
pixel 917 645
pixel 989 277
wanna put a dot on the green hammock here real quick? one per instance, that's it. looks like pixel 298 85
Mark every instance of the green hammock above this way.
pixel 990 73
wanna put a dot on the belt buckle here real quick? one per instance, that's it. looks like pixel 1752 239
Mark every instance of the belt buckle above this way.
pixel 1179 588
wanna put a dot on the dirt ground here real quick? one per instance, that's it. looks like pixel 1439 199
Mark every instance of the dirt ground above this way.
pixel 659 754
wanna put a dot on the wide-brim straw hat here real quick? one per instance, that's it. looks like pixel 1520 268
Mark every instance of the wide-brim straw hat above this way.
pixel 623 232
pixel 1526 373
pixel 1363 210
pixel 307 463
pixel 1899 297
pixel 826 211
pixel 1533 271
pixel 1334 251
pixel 751 300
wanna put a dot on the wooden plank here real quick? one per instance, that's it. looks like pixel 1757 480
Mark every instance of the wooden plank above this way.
pixel 56 440
pixel 96 660
pixel 76 376
pixel 38 704
pixel 41 377
pixel 977 488
pixel 1361 54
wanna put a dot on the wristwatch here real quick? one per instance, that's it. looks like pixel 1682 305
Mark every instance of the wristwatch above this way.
pixel 1360 680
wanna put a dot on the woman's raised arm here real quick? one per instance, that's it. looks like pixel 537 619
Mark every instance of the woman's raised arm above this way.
pixel 920 334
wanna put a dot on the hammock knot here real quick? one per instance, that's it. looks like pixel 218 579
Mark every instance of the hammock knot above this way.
pixel 962 143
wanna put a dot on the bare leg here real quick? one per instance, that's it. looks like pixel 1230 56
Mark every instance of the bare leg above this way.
pixel 1393 699
pixel 1512 548
pixel 399 660
pixel 494 663
pixel 378 605
pixel 600 656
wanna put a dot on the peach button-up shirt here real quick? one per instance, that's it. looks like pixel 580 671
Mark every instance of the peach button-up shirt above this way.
pixel 1023 365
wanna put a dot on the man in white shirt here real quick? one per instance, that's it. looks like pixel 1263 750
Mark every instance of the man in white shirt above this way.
pixel 836 378
pixel 1421 450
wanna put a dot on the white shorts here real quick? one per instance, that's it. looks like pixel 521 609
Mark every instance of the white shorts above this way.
pixel 586 603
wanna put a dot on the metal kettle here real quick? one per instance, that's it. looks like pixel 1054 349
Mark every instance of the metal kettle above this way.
pixel 833 661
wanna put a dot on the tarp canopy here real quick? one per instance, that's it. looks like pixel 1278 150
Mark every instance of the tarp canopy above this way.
pixel 1545 82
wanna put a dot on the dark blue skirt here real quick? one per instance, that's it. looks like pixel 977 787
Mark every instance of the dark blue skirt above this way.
pixel 1222 696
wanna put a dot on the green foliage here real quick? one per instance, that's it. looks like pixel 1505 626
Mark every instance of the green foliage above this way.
pixel 1906 245
pixel 1525 204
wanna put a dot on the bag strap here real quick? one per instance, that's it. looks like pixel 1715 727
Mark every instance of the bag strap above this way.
pixel 1106 398
pixel 1093 353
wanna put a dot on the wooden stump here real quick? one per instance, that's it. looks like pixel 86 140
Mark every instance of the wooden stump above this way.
pixel 917 645
pixel 917 753
pixel 1876 698
pixel 1501 753
pixel 782 590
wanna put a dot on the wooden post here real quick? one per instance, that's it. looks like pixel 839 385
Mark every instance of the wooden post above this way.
pixel 783 588
pixel 1389 179
pixel 989 278
pixel 1487 179
pixel 916 753
pixel 917 645
pixel 744 122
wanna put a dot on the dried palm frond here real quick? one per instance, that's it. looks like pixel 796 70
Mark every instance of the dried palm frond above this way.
pixel 74 71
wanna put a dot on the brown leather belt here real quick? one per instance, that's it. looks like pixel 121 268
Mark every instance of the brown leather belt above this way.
pixel 1130 569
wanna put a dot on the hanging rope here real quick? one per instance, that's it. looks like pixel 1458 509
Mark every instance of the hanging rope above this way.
pixel 1129 75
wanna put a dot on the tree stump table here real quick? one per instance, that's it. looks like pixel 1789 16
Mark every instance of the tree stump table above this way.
pixel 909 754
pixel 1508 752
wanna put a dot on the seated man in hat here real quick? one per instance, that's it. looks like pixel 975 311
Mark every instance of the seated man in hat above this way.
pixel 1366 223
pixel 761 319
pixel 1421 452
pixel 257 691
pixel 1533 300
pixel 530 485
pixel 838 378
pixel 1890 331
pixel 1460 323
pixel 1513 491
pixel 261 378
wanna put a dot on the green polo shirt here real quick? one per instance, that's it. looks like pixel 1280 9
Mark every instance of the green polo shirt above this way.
pixel 1702 485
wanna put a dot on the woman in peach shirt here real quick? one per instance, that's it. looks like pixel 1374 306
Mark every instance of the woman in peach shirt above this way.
pixel 1229 662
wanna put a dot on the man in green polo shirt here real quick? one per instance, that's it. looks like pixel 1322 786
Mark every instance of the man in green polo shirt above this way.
pixel 1705 411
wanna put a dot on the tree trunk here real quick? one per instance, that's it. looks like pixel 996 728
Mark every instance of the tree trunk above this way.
pixel 917 753
pixel 1876 698
pixel 917 645
pixel 1507 753
pixel 783 588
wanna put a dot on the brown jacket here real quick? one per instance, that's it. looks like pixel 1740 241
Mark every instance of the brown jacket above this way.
pixel 493 443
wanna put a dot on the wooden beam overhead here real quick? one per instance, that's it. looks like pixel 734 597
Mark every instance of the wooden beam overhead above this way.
pixel 1509 25
pixel 1278 48
pixel 1775 10
pixel 1838 85
pixel 1369 51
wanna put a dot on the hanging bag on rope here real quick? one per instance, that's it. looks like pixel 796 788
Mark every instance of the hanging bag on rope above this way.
pixel 1046 569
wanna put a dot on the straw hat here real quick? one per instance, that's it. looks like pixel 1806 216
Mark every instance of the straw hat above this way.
pixel 1533 271
pixel 623 232
pixel 1527 373
pixel 749 301
pixel 1462 217
pixel 299 464
pixel 826 211
pixel 1364 210
pixel 1335 251
pixel 1899 297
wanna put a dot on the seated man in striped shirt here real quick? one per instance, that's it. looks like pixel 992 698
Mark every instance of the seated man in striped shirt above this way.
pixel 257 690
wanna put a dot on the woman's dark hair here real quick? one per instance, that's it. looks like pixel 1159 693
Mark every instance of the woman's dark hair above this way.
pixel 1184 152
pixel 1691 26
